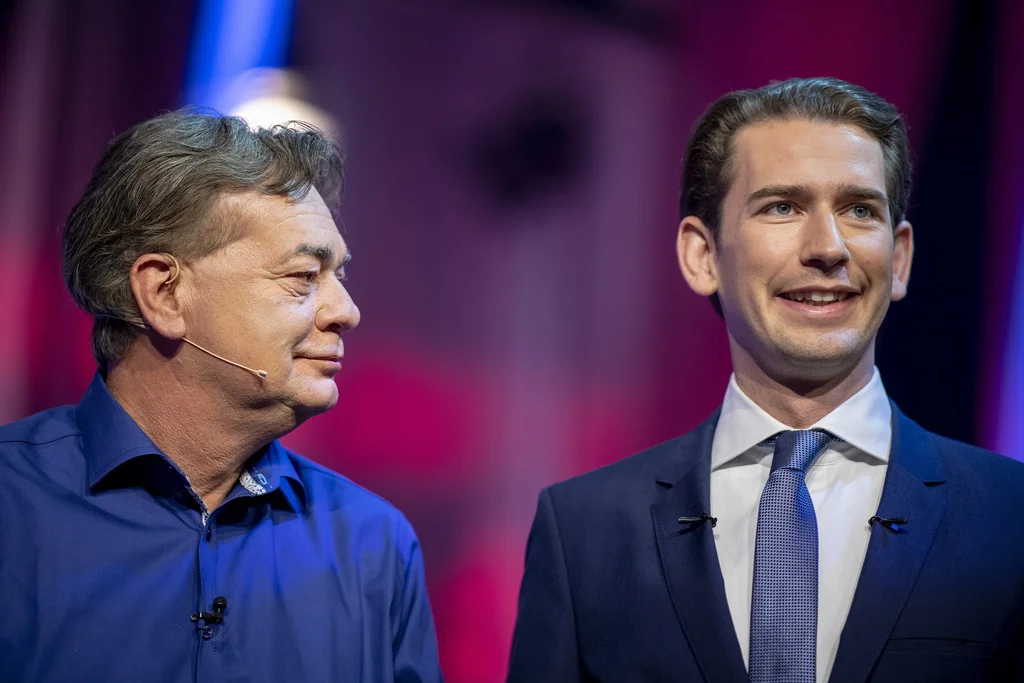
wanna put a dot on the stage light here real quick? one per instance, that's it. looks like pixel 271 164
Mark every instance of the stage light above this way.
pixel 268 97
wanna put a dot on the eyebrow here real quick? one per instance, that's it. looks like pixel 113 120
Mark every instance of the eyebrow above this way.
pixel 845 191
pixel 322 252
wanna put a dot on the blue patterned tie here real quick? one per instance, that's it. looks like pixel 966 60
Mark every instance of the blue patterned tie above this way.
pixel 784 609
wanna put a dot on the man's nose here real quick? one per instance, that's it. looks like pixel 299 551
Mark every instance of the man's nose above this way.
pixel 824 246
pixel 338 310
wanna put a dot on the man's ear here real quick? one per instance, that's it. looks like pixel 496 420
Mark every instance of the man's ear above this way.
pixel 902 256
pixel 155 280
pixel 695 248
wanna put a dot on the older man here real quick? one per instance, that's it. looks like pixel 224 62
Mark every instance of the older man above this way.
pixel 158 531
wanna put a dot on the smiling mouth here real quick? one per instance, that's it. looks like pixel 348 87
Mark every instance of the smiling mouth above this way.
pixel 331 363
pixel 818 298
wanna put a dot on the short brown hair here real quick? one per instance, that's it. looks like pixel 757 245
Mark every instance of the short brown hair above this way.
pixel 154 190
pixel 707 170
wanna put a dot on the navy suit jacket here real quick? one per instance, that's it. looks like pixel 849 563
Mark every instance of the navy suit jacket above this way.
pixel 616 589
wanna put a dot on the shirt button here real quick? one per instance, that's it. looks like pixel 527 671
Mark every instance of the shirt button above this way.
pixel 209 533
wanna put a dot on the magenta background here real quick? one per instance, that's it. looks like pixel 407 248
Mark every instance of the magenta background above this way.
pixel 501 349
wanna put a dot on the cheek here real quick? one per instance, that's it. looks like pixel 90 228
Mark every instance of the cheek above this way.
pixel 872 254
pixel 225 307
pixel 300 319
pixel 280 321
pixel 752 261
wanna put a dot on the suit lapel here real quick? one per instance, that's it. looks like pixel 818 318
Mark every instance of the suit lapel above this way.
pixel 690 560
pixel 893 562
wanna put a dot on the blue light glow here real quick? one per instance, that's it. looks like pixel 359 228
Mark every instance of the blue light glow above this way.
pixel 1010 426
pixel 232 37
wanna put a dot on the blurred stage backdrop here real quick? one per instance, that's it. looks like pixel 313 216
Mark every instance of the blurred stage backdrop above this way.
pixel 512 206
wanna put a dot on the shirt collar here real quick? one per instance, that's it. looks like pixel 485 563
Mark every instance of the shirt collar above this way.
pixel 268 472
pixel 864 421
pixel 111 438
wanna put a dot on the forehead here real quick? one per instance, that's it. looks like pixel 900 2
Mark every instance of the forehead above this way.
pixel 276 225
pixel 811 153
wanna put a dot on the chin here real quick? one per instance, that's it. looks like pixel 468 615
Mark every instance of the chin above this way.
pixel 316 397
pixel 326 399
pixel 822 358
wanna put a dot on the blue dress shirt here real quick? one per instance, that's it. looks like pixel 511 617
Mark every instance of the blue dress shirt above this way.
pixel 105 555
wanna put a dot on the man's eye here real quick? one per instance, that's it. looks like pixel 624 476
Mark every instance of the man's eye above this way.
pixel 306 276
pixel 862 211
pixel 780 209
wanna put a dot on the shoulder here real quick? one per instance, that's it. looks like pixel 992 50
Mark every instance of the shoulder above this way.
pixel 43 428
pixel 38 446
pixel 975 481
pixel 961 466
pixel 625 481
pixel 345 504
pixel 979 467
pixel 38 455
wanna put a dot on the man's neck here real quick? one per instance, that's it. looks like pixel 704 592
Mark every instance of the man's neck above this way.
pixel 799 402
pixel 202 433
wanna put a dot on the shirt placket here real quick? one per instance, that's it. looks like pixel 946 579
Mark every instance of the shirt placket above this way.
pixel 209 636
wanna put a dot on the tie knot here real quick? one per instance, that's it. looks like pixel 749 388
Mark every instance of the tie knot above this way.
pixel 798 449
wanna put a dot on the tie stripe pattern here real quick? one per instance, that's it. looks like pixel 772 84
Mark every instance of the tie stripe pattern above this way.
pixel 784 608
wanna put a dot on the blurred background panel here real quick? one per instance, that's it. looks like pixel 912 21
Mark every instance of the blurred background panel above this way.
pixel 512 200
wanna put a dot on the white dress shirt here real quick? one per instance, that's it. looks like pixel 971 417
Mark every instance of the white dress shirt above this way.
pixel 845 485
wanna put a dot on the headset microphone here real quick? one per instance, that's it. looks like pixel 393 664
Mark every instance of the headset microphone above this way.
pixel 262 374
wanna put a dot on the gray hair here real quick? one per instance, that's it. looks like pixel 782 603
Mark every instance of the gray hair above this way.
pixel 154 190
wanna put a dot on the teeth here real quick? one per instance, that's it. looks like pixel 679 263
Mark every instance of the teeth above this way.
pixel 817 298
